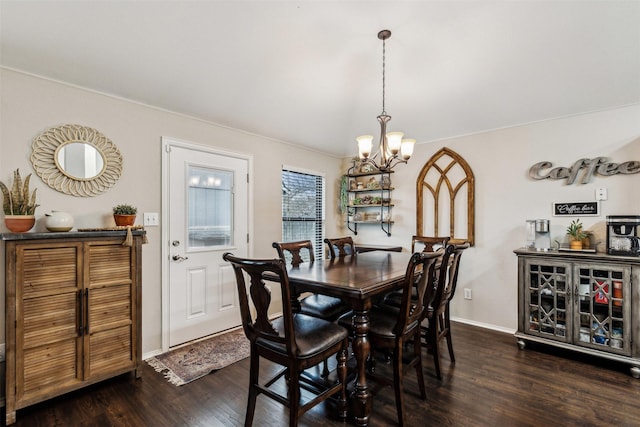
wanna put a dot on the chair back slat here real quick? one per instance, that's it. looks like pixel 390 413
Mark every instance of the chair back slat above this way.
pixel 260 326
pixel 340 247
pixel 447 277
pixel 295 250
pixel 421 274
pixel 430 243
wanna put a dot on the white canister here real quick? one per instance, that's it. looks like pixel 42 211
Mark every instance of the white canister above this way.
pixel 58 221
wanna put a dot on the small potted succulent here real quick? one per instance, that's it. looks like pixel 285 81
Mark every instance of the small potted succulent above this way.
pixel 576 234
pixel 19 204
pixel 124 214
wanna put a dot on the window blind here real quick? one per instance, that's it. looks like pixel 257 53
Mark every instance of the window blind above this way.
pixel 303 205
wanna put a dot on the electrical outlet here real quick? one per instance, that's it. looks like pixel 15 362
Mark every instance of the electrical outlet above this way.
pixel 467 293
pixel 151 219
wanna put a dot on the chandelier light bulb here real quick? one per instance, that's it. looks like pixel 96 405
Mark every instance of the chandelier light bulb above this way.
pixel 406 148
pixel 394 139
pixel 365 142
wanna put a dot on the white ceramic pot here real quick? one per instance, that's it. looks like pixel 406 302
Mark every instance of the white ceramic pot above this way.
pixel 58 221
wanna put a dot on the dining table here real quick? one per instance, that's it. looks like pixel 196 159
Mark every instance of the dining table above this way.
pixel 358 280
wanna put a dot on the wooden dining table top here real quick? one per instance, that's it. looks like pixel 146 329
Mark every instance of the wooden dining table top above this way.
pixel 354 277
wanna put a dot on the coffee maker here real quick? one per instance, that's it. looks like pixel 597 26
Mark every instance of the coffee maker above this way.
pixel 538 234
pixel 622 235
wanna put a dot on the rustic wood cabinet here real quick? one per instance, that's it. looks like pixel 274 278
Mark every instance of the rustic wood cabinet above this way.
pixel 584 302
pixel 73 305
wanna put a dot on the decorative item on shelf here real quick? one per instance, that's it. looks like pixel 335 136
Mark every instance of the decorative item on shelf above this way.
pixel 393 149
pixel 58 221
pixel 367 168
pixel 385 182
pixel 344 193
pixel 577 234
pixel 372 184
pixel 124 214
pixel 19 204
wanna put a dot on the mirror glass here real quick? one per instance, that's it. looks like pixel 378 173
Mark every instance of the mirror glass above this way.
pixel 80 160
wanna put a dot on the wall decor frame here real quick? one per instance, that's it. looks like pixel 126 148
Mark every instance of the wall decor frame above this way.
pixel 47 158
pixel 445 187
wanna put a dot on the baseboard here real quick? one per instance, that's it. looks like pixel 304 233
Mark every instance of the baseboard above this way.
pixel 484 325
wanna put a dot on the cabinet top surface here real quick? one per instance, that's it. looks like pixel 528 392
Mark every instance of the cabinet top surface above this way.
pixel 67 235
pixel 577 256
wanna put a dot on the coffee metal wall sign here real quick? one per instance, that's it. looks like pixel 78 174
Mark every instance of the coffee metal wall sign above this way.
pixel 588 167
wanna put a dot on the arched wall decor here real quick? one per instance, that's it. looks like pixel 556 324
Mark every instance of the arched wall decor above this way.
pixel 445 197
pixel 76 160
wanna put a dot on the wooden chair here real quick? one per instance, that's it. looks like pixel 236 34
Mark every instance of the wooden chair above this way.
pixel 389 331
pixel 340 247
pixel 296 342
pixel 316 305
pixel 437 316
pixel 429 243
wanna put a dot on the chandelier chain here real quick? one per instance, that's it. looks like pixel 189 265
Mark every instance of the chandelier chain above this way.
pixel 383 75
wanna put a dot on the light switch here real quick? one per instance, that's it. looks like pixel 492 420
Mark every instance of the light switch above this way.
pixel 601 193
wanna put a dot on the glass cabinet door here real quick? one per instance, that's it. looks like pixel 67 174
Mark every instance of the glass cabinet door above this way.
pixel 547 299
pixel 603 316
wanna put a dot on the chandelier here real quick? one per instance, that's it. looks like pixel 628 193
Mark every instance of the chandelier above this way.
pixel 393 148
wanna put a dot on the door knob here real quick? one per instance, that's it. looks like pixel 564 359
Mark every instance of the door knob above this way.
pixel 180 258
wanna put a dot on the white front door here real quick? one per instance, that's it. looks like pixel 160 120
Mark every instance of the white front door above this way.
pixel 207 207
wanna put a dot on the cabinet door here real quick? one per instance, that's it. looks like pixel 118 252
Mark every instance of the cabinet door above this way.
pixel 48 326
pixel 547 297
pixel 110 295
pixel 603 318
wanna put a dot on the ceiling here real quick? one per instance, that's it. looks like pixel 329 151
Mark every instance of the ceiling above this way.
pixel 310 72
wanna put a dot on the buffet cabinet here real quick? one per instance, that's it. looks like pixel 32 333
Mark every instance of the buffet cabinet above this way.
pixel 584 302
pixel 73 306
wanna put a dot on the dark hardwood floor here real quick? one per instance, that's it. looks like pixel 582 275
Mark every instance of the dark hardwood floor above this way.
pixel 493 383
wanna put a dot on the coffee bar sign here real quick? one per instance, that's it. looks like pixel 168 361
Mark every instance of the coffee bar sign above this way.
pixel 583 170
pixel 576 209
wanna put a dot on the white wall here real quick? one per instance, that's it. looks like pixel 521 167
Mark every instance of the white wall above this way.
pixel 30 105
pixel 506 197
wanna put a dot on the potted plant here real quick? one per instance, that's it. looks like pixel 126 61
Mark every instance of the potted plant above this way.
pixel 124 214
pixel 19 204
pixel 576 234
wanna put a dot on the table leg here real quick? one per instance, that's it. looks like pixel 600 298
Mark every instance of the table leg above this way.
pixel 361 396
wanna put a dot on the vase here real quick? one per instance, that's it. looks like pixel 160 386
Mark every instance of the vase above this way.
pixel 124 220
pixel 19 223
pixel 576 244
pixel 58 221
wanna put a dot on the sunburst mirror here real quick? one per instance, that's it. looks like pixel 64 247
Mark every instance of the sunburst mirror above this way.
pixel 76 160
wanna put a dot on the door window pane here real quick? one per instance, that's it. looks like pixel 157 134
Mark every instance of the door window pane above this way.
pixel 210 203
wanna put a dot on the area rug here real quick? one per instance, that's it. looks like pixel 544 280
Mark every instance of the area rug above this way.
pixel 193 361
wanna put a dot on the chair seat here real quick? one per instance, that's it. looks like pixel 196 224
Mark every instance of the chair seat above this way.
pixel 313 335
pixel 323 307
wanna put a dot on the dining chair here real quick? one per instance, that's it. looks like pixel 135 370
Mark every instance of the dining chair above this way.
pixel 437 316
pixel 340 247
pixel 316 305
pixel 293 340
pixel 390 330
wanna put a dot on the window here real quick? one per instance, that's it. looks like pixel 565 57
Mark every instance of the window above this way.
pixel 303 208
